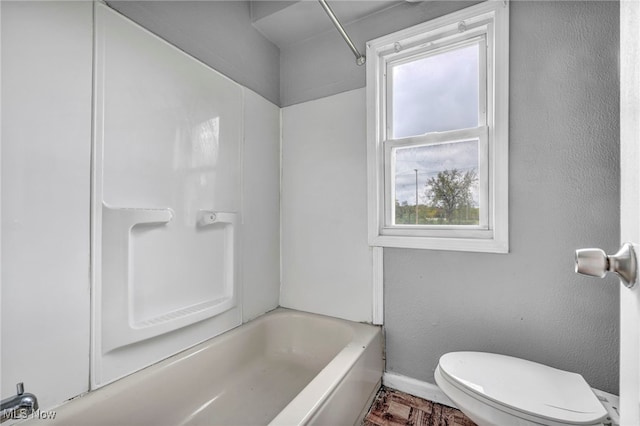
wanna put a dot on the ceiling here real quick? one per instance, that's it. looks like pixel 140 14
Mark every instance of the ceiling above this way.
pixel 287 22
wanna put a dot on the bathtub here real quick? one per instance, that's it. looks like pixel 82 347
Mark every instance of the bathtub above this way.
pixel 284 368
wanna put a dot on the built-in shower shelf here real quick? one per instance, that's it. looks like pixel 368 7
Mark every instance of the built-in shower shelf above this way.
pixel 127 319
pixel 131 216
pixel 210 217
pixel 211 308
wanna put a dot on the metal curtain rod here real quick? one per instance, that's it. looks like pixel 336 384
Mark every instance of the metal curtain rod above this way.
pixel 360 59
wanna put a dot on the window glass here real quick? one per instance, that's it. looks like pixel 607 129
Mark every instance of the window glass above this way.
pixel 441 180
pixel 436 93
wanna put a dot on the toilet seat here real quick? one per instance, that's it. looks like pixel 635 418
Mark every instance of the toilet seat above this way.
pixel 525 389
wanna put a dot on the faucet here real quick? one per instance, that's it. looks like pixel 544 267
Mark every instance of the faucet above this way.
pixel 21 404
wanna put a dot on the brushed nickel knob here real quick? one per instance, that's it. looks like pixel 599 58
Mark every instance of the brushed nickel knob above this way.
pixel 595 262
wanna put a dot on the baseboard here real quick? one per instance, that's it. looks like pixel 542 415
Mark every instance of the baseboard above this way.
pixel 416 387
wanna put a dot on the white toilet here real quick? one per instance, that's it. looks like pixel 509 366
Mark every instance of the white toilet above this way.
pixel 501 390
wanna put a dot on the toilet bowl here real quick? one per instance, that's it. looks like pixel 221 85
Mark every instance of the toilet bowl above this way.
pixel 494 389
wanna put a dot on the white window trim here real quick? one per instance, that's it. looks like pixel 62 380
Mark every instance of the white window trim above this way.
pixel 491 18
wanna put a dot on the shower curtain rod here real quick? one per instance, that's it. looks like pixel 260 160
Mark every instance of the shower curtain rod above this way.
pixel 360 59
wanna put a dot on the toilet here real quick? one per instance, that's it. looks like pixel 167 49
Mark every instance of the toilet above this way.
pixel 494 389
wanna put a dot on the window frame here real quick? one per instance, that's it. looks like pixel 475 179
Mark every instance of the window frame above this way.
pixel 489 23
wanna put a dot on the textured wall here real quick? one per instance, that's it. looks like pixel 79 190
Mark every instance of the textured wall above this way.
pixel 564 183
pixel 219 33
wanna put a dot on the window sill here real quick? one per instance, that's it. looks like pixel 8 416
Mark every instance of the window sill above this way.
pixel 487 245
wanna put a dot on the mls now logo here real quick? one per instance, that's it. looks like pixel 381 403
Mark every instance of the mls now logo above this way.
pixel 41 415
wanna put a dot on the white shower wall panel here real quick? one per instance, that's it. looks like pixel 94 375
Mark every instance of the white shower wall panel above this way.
pixel 326 260
pixel 166 199
pixel 46 151
pixel 260 206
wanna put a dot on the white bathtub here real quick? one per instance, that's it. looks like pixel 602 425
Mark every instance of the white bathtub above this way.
pixel 284 368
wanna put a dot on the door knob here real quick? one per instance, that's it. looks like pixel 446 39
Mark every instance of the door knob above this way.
pixel 596 263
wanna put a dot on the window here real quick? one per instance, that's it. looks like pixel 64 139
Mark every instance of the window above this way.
pixel 437 97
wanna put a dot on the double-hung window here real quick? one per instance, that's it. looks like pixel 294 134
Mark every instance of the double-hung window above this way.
pixel 437 97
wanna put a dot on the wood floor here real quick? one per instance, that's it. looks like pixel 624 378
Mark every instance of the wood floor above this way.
pixel 392 407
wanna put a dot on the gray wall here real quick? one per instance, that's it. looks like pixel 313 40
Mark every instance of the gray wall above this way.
pixel 564 184
pixel 219 33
